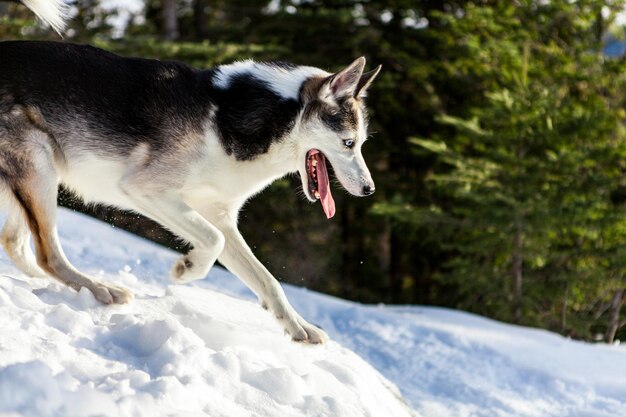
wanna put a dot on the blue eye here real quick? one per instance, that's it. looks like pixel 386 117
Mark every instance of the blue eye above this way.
pixel 349 143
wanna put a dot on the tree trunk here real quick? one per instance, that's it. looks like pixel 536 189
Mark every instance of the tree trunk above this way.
pixel 395 270
pixel 614 314
pixel 518 259
pixel 517 271
pixel 170 22
pixel 564 308
pixel 200 19
pixel 347 251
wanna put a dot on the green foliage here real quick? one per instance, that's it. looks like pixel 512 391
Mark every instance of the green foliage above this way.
pixel 199 54
pixel 537 158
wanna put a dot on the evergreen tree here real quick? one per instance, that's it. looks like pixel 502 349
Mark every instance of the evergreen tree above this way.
pixel 522 189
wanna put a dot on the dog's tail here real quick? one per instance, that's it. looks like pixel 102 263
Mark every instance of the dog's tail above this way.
pixel 53 12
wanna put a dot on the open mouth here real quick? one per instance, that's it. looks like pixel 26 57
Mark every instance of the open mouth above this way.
pixel 317 182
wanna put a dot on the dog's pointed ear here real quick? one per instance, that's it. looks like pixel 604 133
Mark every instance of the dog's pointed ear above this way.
pixel 345 82
pixel 365 81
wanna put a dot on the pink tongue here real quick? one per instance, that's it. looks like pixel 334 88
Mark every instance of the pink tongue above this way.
pixel 323 186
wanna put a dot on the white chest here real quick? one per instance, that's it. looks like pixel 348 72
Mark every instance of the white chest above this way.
pixel 221 178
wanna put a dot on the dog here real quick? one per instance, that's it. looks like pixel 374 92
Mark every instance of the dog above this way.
pixel 183 146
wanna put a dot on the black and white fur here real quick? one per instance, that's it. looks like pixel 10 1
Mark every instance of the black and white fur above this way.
pixel 183 146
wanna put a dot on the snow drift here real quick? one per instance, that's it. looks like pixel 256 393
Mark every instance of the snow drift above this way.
pixel 207 348
pixel 175 350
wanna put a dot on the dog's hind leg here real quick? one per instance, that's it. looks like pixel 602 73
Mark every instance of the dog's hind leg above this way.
pixel 30 177
pixel 15 238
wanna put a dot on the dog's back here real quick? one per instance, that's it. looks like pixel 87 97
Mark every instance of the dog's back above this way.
pixel 115 96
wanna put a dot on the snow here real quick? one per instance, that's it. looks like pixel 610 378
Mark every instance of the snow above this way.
pixel 207 348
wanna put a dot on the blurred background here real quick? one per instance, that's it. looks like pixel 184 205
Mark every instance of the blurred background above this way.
pixel 497 145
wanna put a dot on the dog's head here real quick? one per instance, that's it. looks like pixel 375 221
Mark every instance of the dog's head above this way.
pixel 333 128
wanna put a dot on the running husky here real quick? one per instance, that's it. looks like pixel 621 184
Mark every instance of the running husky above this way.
pixel 183 146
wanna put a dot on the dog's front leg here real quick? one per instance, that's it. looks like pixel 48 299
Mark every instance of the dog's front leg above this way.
pixel 240 260
pixel 169 209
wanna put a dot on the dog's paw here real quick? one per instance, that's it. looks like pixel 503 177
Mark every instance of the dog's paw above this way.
pixel 295 326
pixel 111 294
pixel 189 268
pixel 313 334
pixel 301 331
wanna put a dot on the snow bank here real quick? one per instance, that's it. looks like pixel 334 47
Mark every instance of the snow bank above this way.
pixel 176 350
pixel 207 349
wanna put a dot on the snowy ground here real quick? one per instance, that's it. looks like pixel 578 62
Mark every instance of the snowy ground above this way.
pixel 205 349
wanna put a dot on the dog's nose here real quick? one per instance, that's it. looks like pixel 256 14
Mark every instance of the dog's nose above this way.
pixel 367 190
